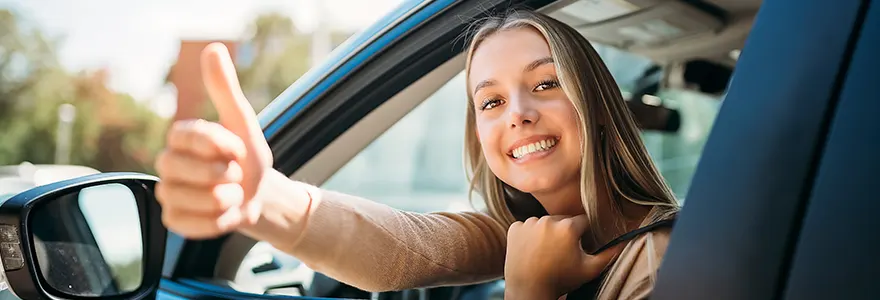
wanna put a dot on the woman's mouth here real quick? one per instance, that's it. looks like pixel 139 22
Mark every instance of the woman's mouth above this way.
pixel 535 149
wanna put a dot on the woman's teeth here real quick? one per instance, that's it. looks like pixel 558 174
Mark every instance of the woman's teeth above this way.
pixel 534 147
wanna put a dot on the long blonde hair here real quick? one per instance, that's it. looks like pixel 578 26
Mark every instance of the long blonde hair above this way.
pixel 611 146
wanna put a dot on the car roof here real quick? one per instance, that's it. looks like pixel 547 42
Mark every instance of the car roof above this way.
pixel 18 178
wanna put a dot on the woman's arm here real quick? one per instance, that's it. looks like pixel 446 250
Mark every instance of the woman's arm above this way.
pixel 373 246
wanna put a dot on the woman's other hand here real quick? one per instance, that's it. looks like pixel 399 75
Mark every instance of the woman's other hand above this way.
pixel 209 171
pixel 545 259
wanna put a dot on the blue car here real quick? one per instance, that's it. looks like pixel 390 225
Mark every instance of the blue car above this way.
pixel 768 138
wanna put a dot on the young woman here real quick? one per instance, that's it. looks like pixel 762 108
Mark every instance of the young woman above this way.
pixel 576 206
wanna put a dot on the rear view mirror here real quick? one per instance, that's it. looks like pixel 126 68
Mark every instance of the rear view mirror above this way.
pixel 97 236
pixel 700 75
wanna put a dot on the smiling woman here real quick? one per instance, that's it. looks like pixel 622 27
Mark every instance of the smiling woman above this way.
pixel 554 88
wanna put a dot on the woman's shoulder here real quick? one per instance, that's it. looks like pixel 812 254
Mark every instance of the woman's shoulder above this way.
pixel 656 232
pixel 635 271
pixel 646 250
pixel 655 240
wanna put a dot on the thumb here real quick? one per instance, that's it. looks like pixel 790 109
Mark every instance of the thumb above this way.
pixel 580 223
pixel 221 81
pixel 594 265
pixel 236 113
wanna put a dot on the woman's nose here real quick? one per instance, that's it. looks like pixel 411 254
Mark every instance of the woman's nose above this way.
pixel 521 112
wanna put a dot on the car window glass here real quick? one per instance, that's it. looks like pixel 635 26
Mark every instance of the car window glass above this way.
pixel 418 164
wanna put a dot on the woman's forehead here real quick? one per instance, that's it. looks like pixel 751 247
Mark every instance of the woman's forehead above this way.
pixel 507 52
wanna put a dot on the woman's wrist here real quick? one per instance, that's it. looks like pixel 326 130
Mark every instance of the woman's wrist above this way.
pixel 285 206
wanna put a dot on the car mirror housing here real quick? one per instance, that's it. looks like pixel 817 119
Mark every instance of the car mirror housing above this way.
pixel 96 236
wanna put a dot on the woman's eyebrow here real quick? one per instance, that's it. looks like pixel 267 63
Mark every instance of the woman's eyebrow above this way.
pixel 530 67
pixel 537 63
pixel 483 84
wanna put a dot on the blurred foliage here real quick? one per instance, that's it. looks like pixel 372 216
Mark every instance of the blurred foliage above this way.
pixel 280 54
pixel 128 275
pixel 112 131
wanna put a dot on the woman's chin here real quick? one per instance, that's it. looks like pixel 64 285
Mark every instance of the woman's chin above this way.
pixel 540 185
pixel 563 209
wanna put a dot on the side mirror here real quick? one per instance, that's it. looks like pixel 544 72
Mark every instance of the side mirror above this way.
pixel 96 236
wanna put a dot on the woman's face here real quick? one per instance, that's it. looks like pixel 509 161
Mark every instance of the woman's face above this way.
pixel 526 124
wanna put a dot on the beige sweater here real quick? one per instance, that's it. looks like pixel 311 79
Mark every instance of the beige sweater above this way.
pixel 378 248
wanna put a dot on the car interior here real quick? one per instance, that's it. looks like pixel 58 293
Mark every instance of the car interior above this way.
pixel 672 59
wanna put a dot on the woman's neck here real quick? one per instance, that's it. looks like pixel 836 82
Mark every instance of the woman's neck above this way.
pixel 617 216
pixel 613 222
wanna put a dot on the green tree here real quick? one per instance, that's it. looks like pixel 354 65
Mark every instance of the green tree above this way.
pixel 281 54
pixel 111 132
pixel 25 55
pixel 128 275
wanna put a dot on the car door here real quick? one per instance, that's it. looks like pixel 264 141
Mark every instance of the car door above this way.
pixel 747 207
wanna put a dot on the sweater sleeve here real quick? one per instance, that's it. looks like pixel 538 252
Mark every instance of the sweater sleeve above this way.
pixel 378 248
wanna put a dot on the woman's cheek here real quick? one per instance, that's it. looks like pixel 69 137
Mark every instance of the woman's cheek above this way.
pixel 490 143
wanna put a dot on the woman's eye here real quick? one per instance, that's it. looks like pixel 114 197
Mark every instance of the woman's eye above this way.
pixel 546 85
pixel 489 104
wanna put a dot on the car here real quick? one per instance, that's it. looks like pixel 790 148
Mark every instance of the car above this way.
pixel 21 177
pixel 780 199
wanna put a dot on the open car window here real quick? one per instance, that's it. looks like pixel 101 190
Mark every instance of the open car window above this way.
pixel 418 164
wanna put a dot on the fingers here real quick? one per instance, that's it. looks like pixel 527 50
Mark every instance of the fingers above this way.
pixel 195 226
pixel 200 212
pixel 175 166
pixel 595 264
pixel 578 223
pixel 209 201
pixel 205 139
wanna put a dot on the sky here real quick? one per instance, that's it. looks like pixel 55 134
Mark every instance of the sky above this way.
pixel 112 214
pixel 137 41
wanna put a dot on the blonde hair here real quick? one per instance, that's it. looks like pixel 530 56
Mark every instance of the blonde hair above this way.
pixel 611 146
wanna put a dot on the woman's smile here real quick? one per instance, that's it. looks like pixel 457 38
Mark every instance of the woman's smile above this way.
pixel 533 148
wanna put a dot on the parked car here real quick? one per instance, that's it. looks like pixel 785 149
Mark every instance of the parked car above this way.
pixel 780 205
pixel 18 178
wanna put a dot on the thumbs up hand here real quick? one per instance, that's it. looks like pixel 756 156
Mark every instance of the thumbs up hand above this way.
pixel 211 172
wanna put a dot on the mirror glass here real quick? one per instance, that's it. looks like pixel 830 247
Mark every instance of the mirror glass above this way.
pixel 88 243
